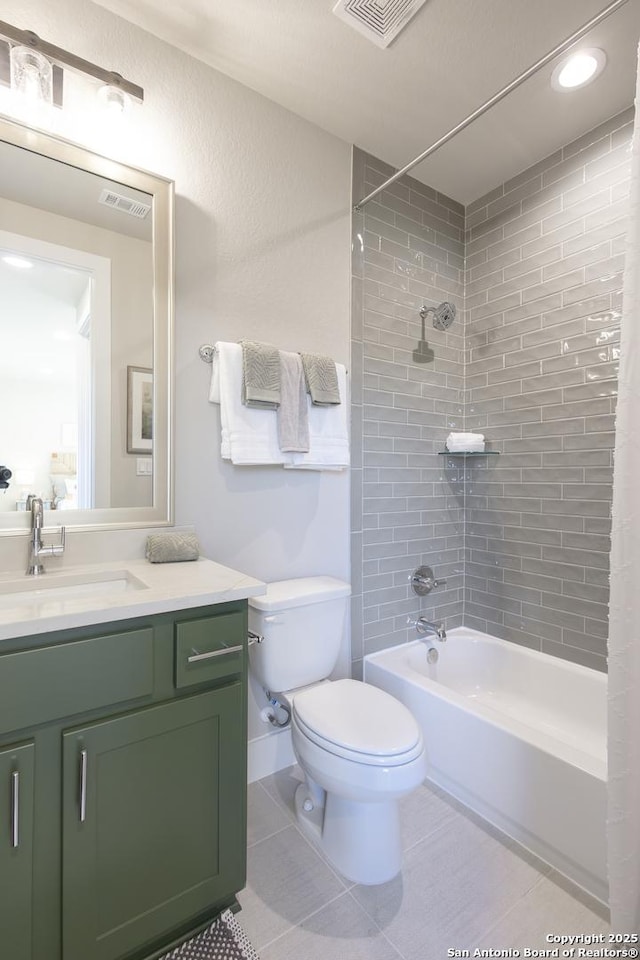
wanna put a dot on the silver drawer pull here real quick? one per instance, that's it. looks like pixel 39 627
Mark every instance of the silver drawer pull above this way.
pixel 83 786
pixel 196 657
pixel 15 808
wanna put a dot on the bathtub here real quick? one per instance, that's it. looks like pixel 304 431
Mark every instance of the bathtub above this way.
pixel 517 736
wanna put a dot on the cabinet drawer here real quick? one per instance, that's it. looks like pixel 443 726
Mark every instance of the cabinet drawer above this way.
pixel 209 649
pixel 46 684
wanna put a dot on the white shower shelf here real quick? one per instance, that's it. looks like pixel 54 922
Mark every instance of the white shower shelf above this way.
pixel 468 453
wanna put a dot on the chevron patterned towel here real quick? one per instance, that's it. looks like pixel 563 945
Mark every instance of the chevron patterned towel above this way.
pixel 260 375
pixel 322 379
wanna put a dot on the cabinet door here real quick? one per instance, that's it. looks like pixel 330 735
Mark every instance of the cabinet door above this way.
pixel 16 850
pixel 153 821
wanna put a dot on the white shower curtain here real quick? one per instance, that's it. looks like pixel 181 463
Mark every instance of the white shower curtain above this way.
pixel 624 628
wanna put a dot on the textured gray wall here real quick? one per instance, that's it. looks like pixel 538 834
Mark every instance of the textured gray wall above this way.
pixel 523 537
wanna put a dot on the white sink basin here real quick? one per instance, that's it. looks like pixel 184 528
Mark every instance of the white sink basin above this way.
pixel 51 594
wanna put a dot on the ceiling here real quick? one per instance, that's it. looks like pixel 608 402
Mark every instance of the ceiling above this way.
pixel 395 102
pixel 38 181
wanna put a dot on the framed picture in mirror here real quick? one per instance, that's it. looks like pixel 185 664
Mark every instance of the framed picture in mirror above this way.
pixel 139 410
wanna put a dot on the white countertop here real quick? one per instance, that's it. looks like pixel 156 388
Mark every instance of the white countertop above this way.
pixel 130 588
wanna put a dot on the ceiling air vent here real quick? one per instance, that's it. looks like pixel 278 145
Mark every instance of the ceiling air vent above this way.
pixel 133 207
pixel 379 20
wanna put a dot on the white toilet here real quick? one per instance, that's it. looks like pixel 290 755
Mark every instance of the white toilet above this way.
pixel 359 747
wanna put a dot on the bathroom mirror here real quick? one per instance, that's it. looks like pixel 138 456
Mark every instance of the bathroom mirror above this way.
pixel 86 287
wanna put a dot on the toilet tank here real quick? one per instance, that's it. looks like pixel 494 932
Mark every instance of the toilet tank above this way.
pixel 303 623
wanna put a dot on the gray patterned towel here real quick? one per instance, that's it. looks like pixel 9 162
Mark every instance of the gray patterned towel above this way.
pixel 322 379
pixel 223 940
pixel 260 375
pixel 172 547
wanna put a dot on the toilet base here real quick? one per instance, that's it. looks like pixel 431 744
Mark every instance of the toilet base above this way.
pixel 361 840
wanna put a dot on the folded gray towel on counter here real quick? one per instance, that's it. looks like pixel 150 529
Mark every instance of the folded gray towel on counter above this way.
pixel 260 375
pixel 322 379
pixel 172 547
pixel 293 419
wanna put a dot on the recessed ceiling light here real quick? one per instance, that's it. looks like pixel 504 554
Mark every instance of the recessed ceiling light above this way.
pixel 18 262
pixel 578 69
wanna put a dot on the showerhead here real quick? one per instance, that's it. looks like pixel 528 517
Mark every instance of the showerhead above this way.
pixel 443 315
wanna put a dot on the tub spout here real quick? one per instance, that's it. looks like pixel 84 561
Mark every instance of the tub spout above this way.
pixel 424 628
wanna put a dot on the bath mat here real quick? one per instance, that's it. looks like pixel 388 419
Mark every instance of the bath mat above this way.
pixel 223 940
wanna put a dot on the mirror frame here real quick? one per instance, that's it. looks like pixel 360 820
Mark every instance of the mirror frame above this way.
pixel 162 191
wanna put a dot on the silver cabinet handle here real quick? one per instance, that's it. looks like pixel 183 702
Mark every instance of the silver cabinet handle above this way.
pixel 196 657
pixel 15 808
pixel 83 786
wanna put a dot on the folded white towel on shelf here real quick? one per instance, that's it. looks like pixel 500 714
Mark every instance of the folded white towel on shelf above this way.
pixel 249 434
pixel 328 433
pixel 461 442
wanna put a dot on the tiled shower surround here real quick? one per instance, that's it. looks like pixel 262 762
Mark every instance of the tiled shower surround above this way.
pixel 523 538
pixel 408 250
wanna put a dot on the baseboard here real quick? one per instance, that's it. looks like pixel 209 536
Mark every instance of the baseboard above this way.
pixel 268 754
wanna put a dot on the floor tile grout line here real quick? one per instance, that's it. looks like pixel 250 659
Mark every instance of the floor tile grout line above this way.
pixel 304 919
pixel 511 908
pixel 268 836
pixel 338 876
pixel 431 833
pixel 376 925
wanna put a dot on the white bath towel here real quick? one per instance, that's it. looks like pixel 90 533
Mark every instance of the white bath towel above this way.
pixel 465 442
pixel 328 433
pixel 249 434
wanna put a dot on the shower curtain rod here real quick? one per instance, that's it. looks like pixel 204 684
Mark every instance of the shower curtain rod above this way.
pixel 611 8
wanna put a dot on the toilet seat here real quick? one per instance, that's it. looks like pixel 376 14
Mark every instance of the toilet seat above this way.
pixel 359 722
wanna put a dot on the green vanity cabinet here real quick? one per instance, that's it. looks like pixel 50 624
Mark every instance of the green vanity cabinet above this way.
pixel 152 829
pixel 132 784
pixel 16 850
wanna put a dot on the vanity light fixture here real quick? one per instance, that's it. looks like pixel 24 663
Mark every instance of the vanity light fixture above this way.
pixel 579 69
pixel 35 60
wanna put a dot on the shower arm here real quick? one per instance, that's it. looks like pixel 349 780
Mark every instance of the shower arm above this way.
pixel 496 98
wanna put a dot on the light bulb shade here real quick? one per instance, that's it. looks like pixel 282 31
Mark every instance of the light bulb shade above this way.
pixel 113 99
pixel 31 74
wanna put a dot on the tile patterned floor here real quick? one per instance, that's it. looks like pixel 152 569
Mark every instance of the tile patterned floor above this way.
pixel 463 886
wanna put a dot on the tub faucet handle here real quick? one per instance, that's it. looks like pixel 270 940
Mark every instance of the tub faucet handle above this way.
pixel 423 580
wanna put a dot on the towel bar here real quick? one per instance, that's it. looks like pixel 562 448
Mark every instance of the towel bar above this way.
pixel 207 351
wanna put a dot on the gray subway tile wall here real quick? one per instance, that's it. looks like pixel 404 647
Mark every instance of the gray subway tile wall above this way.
pixel 408 249
pixel 536 571
pixel 531 361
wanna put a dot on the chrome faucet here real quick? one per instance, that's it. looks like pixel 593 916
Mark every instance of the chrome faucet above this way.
pixel 424 628
pixel 37 548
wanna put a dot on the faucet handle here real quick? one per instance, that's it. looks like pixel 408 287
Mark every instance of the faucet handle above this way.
pixel 423 581
pixel 55 549
pixel 58 548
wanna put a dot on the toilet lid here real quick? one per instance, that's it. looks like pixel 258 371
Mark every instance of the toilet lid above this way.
pixel 353 718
